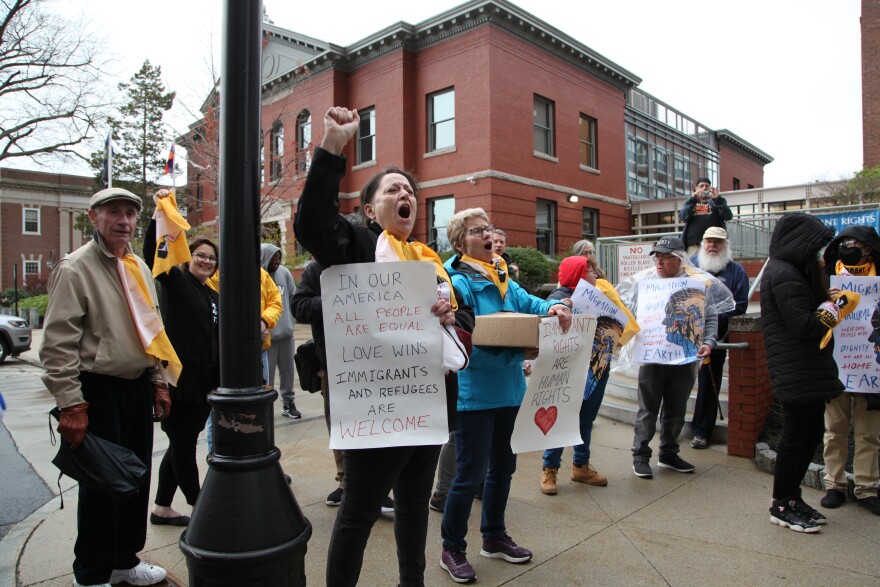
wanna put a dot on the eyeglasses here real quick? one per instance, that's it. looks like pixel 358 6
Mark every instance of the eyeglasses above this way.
pixel 851 242
pixel 205 258
pixel 481 230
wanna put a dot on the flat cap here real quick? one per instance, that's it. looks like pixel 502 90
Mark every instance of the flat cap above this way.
pixel 110 194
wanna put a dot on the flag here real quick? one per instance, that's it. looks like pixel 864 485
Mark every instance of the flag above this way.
pixel 171 247
pixel 169 165
pixel 107 169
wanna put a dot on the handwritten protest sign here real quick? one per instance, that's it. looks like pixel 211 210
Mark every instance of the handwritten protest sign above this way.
pixel 671 313
pixel 632 258
pixel 857 337
pixel 384 355
pixel 549 416
pixel 610 324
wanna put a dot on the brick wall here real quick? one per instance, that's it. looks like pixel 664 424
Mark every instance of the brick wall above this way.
pixel 749 395
pixel 871 82
pixel 735 163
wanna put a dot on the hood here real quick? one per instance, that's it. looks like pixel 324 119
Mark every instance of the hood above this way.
pixel 798 237
pixel 865 234
pixel 570 271
pixel 267 251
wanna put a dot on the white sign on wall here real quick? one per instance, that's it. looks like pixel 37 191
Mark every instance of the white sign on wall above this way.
pixel 633 258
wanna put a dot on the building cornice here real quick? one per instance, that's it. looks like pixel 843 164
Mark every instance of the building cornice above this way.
pixel 743 145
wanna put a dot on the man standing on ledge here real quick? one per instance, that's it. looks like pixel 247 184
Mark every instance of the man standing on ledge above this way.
pixel 705 208
pixel 102 342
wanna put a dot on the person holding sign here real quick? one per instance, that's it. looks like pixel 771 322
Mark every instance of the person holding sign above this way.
pixel 610 333
pixel 677 307
pixel 853 252
pixel 796 313
pixel 491 390
pixel 388 200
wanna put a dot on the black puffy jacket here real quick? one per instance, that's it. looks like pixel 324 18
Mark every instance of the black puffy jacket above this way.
pixel 800 372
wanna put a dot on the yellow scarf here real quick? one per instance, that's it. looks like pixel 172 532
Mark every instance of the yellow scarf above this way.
pixel 416 251
pixel 171 247
pixel 490 270
pixel 146 320
pixel 866 270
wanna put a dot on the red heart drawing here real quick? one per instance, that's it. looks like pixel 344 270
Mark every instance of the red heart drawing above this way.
pixel 545 418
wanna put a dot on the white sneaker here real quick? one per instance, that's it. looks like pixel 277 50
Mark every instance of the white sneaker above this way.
pixel 143 574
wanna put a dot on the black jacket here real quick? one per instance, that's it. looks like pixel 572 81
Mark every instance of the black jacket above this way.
pixel 306 307
pixel 800 372
pixel 333 240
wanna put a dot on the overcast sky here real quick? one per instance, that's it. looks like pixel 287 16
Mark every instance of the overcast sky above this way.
pixel 784 75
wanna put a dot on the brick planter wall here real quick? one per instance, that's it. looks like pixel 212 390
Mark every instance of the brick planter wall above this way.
pixel 749 395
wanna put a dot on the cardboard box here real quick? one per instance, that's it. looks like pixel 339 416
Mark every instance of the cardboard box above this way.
pixel 507 329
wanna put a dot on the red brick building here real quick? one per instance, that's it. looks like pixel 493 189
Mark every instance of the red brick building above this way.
pixel 38 214
pixel 487 105
pixel 870 83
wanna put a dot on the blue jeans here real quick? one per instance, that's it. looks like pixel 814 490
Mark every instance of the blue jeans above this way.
pixel 589 411
pixel 480 436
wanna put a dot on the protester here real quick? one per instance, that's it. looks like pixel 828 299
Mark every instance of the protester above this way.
pixel 389 201
pixel 491 390
pixel 190 310
pixel 705 208
pixel 796 313
pixel 280 354
pixel 499 247
pixel 582 248
pixel 571 271
pixel 716 258
pixel 853 252
pixel 103 341
pixel 306 307
pixel 664 388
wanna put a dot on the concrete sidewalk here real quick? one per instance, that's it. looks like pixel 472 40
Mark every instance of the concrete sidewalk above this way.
pixel 706 528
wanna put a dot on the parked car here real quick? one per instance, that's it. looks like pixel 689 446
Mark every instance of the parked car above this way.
pixel 15 337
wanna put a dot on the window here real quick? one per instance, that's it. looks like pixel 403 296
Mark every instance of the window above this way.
pixel 590 224
pixel 682 175
pixel 277 152
pixel 30 220
pixel 303 140
pixel 31 269
pixel 750 186
pixel 588 142
pixel 735 183
pixel 661 172
pixel 441 120
pixel 366 136
pixel 545 221
pixel 262 164
pixel 543 121
pixel 440 211
pixel 200 194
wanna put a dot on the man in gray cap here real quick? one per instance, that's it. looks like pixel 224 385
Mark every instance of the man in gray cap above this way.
pixel 666 385
pixel 106 378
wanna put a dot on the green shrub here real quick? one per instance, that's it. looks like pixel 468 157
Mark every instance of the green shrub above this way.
pixel 534 269
pixel 39 302
pixel 7 296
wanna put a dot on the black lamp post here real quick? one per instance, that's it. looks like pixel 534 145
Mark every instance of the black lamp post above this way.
pixel 246 528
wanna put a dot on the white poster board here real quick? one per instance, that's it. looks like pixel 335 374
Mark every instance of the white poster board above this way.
pixel 549 416
pixel 610 324
pixel 671 313
pixel 632 258
pixel 384 355
pixel 857 337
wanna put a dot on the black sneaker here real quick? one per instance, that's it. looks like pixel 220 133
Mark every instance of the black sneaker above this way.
pixel 335 498
pixel 784 513
pixel 505 548
pixel 388 506
pixel 808 512
pixel 833 499
pixel 676 463
pixel 642 469
pixel 438 502
pixel 872 504
pixel 289 410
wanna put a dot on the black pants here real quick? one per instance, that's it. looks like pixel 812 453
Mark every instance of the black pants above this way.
pixel 178 467
pixel 369 475
pixel 110 534
pixel 802 430
pixel 708 388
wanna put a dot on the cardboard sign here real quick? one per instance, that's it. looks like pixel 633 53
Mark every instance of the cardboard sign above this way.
pixel 671 313
pixel 633 258
pixel 549 416
pixel 857 337
pixel 384 355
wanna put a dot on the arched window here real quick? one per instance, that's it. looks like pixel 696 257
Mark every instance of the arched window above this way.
pixel 277 146
pixel 304 140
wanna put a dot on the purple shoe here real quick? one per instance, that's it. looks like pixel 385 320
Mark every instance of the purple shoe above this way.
pixel 504 547
pixel 455 563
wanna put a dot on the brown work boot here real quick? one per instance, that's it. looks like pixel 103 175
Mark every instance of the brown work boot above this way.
pixel 548 480
pixel 587 474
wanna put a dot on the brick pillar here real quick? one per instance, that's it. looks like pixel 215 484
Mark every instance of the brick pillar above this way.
pixel 748 395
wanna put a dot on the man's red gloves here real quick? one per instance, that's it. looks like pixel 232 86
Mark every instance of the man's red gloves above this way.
pixel 161 402
pixel 73 423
